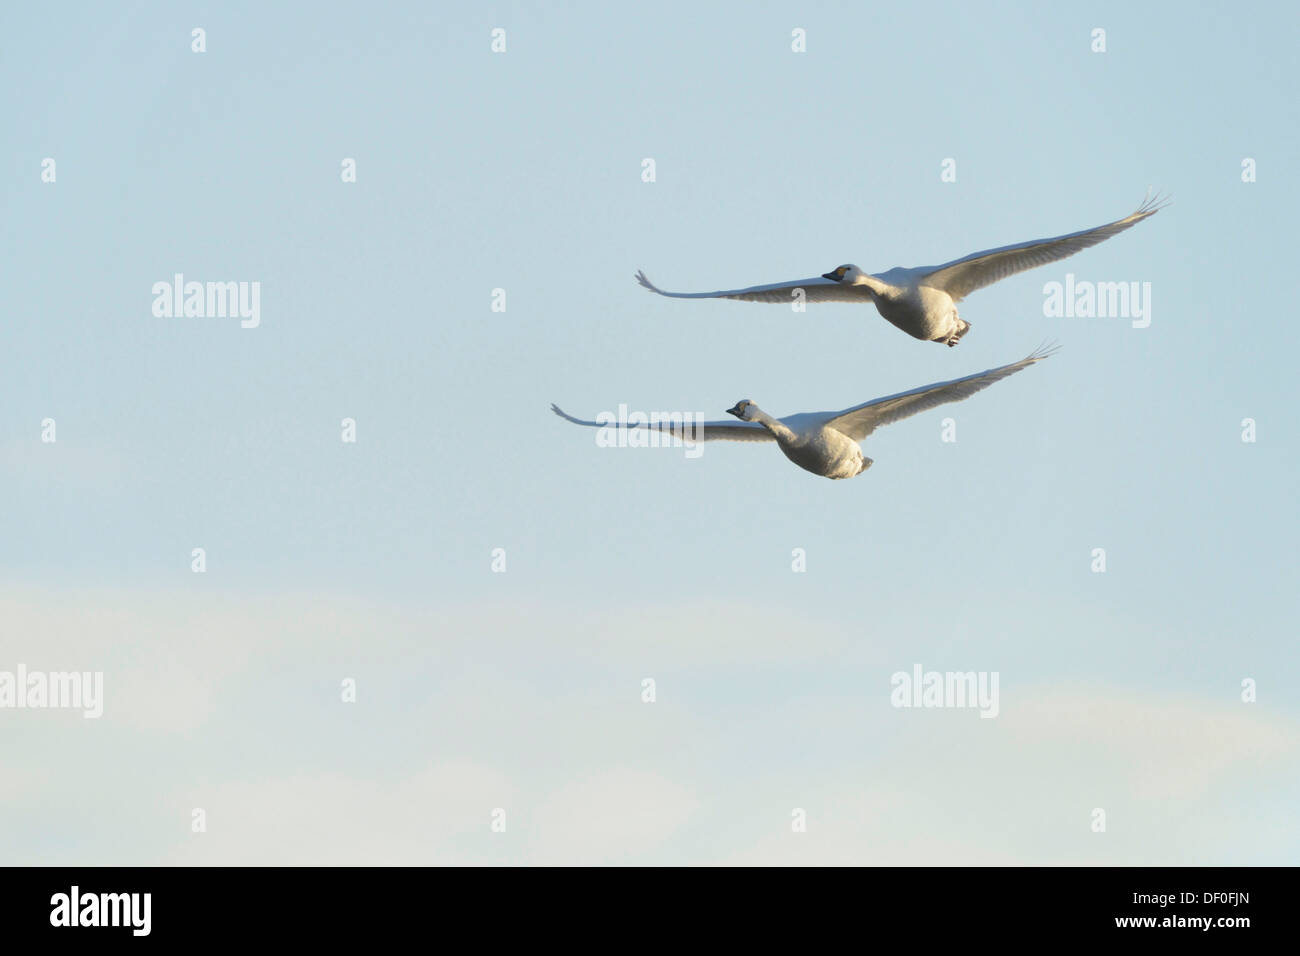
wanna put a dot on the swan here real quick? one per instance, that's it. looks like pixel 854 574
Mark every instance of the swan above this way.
pixel 826 443
pixel 922 302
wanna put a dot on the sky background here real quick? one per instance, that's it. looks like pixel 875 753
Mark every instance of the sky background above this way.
pixel 522 690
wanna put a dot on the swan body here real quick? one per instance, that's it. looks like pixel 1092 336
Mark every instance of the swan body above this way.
pixel 813 445
pixel 923 301
pixel 826 443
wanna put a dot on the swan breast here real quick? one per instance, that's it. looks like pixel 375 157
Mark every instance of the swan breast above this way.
pixel 826 452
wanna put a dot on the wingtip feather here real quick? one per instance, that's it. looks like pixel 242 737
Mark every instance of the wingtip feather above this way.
pixel 1153 203
pixel 1046 349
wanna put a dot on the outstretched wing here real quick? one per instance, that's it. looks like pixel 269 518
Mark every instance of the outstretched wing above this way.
pixel 815 290
pixel 861 421
pixel 695 431
pixel 963 276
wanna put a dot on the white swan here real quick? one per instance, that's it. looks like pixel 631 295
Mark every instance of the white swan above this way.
pixel 826 443
pixel 922 302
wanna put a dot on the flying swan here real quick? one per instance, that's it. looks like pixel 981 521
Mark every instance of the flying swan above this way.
pixel 922 302
pixel 826 443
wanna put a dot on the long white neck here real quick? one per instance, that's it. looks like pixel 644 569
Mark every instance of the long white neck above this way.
pixel 879 289
pixel 779 431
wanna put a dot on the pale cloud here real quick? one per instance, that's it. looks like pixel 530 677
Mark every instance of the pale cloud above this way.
pixel 609 817
pixel 232 703
pixel 438 816
pixel 89 468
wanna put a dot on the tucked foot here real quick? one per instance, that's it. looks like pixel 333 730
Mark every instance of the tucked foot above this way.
pixel 963 328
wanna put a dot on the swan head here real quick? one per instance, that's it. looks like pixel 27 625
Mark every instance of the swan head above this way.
pixel 847 273
pixel 744 410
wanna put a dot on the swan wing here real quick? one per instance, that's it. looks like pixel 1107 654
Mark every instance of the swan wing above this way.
pixel 815 290
pixel 862 420
pixel 696 431
pixel 961 277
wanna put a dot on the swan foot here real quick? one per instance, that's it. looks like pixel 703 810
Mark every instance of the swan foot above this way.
pixel 953 339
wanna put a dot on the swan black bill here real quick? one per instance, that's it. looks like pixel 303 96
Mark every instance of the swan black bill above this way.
pixel 831 275
pixel 735 409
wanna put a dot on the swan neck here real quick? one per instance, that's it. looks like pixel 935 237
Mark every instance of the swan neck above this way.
pixel 877 288
pixel 778 429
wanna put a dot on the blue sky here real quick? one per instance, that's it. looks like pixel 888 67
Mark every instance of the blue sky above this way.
pixel 522 171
